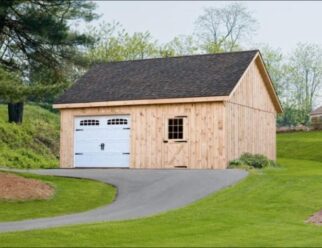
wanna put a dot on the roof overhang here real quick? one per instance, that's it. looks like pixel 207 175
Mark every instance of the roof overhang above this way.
pixel 269 83
pixel 140 102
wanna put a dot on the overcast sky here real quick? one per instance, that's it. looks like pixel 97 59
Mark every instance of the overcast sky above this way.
pixel 281 24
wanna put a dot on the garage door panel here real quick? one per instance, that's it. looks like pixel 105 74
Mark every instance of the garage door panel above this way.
pixel 119 145
pixel 102 160
pixel 104 142
pixel 89 135
pixel 88 146
pixel 117 134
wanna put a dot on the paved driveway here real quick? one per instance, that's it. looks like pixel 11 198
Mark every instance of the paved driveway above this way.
pixel 140 193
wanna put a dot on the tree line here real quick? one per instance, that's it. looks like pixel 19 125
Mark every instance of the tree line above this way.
pixel 41 54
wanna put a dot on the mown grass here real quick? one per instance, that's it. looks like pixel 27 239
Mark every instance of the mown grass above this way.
pixel 71 195
pixel 34 143
pixel 300 145
pixel 268 208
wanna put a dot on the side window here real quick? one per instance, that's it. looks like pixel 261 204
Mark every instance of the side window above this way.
pixel 89 123
pixel 117 121
pixel 175 128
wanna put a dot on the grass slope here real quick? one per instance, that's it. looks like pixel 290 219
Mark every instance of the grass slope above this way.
pixel 34 143
pixel 268 208
pixel 71 195
pixel 300 145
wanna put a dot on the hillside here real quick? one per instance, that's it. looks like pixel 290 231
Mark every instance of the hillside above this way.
pixel 300 145
pixel 34 144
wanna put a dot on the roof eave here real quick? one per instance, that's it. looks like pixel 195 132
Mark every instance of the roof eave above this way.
pixel 140 102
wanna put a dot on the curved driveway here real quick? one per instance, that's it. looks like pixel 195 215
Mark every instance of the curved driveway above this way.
pixel 140 193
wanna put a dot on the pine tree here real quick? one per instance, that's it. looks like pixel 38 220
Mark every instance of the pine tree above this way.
pixel 38 44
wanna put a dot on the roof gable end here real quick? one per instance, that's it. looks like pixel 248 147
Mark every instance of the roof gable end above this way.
pixel 258 60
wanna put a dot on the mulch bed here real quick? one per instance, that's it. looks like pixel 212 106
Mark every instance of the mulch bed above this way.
pixel 17 188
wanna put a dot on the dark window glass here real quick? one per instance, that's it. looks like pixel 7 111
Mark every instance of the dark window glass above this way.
pixel 89 122
pixel 175 128
pixel 117 122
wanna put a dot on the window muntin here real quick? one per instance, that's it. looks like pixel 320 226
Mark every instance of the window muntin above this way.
pixel 175 128
pixel 117 121
pixel 89 122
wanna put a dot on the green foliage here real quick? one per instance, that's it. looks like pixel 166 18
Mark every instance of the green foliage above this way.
pixel 275 65
pixel 297 79
pixel 33 144
pixel 267 209
pixel 292 116
pixel 112 43
pixel 38 44
pixel 180 45
pixel 71 195
pixel 248 160
pixel 37 33
pixel 13 89
pixel 139 46
pixel 304 76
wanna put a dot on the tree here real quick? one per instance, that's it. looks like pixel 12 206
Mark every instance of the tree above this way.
pixel 223 29
pixel 140 46
pixel 304 77
pixel 274 62
pixel 36 34
pixel 108 43
pixel 112 43
pixel 180 45
pixel 15 92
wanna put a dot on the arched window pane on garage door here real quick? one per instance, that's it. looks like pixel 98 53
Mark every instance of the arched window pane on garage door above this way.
pixel 90 122
pixel 117 121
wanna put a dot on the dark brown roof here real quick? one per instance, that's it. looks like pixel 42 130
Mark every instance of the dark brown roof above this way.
pixel 173 77
pixel 317 111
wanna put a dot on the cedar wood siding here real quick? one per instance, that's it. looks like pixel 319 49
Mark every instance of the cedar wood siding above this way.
pixel 251 116
pixel 216 130
pixel 205 147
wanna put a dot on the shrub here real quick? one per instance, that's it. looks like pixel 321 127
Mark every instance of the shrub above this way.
pixel 248 160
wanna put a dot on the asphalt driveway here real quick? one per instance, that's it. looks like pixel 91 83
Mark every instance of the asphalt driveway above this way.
pixel 140 193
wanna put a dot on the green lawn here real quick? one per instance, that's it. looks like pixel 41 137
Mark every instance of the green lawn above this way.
pixel 71 195
pixel 268 208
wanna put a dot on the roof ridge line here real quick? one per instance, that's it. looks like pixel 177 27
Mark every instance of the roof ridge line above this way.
pixel 173 57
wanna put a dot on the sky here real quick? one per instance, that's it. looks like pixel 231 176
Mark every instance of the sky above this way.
pixel 282 24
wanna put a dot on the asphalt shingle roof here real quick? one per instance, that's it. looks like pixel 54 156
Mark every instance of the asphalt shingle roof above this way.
pixel 173 77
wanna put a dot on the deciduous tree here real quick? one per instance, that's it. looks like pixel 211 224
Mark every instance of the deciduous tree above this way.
pixel 304 77
pixel 180 45
pixel 223 29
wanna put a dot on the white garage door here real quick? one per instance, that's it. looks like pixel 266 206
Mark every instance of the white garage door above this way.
pixel 102 141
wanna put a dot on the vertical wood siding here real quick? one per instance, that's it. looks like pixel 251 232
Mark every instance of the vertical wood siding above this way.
pixel 216 132
pixel 205 147
pixel 251 118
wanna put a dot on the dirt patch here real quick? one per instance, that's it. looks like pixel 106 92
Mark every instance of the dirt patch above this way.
pixel 17 188
pixel 316 218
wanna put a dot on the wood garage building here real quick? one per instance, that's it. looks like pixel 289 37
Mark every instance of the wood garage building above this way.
pixel 197 111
